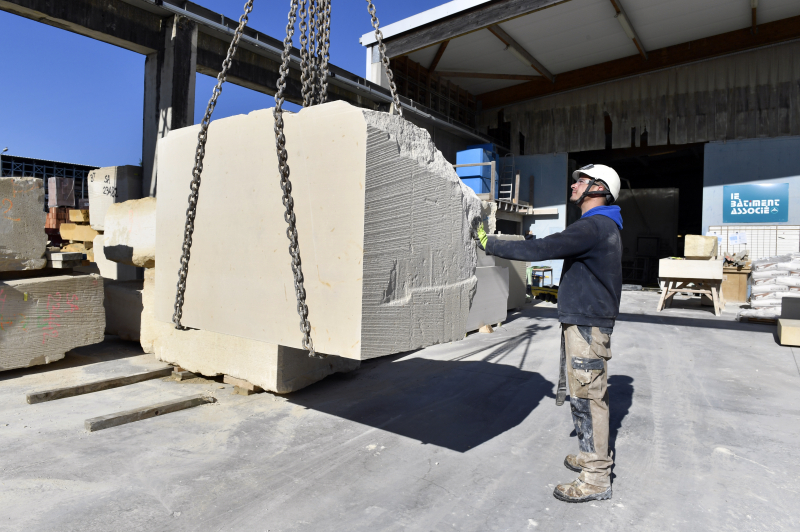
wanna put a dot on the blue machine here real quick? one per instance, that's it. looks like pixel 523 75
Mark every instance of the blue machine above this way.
pixel 478 178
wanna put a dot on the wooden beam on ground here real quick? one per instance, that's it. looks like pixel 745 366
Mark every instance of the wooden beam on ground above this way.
pixel 438 56
pixel 462 24
pixel 487 75
pixel 718 45
pixel 627 26
pixel 146 412
pixel 97 386
pixel 513 45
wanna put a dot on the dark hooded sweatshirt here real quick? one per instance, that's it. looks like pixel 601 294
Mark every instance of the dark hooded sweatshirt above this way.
pixel 591 282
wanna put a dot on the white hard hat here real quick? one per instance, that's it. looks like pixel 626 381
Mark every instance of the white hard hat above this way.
pixel 601 172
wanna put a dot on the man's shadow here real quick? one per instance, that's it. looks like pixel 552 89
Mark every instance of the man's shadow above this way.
pixel 458 404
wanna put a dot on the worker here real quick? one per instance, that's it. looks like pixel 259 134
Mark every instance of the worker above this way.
pixel 588 305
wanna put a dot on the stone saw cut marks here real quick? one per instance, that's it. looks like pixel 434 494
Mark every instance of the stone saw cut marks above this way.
pixel 42 318
pixel 383 223
pixel 22 218
pixel 111 185
pixel 130 235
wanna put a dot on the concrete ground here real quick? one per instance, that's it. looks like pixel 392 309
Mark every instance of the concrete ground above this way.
pixel 464 436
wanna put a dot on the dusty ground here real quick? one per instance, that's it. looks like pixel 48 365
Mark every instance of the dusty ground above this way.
pixel 463 436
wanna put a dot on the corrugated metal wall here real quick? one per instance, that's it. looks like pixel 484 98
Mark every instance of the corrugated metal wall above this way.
pixel 747 95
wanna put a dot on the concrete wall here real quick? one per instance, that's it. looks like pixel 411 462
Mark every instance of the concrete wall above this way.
pixel 548 174
pixel 751 161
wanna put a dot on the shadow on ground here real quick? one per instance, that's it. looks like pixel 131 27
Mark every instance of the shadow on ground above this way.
pixel 457 404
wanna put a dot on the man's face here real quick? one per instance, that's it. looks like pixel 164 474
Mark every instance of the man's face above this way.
pixel 579 186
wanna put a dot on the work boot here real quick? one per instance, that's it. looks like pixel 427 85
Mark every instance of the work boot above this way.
pixel 580 491
pixel 571 463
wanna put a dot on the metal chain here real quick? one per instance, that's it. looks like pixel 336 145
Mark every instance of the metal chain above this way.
pixel 384 59
pixel 200 153
pixel 286 185
pixel 325 53
pixel 313 58
pixel 304 59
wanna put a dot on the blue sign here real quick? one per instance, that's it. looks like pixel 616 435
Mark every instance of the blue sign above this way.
pixel 755 204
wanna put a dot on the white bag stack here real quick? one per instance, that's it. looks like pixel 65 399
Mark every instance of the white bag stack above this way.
pixel 771 280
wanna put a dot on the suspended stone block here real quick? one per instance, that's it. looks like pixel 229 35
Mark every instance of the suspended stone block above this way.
pixel 42 318
pixel 272 367
pixel 22 218
pixel 130 234
pixel 384 228
pixel 111 185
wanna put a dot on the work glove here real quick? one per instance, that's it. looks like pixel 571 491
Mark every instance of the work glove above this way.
pixel 483 238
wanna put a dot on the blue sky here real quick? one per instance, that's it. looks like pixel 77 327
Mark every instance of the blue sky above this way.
pixel 70 98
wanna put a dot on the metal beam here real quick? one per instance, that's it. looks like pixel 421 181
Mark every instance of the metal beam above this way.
pixel 520 51
pixel 486 75
pixel 438 56
pixel 754 11
pixel 625 22
pixel 464 23
pixel 718 45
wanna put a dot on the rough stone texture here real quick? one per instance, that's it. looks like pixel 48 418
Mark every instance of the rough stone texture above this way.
pixel 42 318
pixel 383 223
pixel 123 304
pixel 111 185
pixel 272 367
pixel 109 269
pixel 700 247
pixel 78 233
pixel 130 233
pixel 489 216
pixel 489 306
pixel 22 218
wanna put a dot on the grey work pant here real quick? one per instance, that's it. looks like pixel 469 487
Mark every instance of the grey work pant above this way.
pixel 588 350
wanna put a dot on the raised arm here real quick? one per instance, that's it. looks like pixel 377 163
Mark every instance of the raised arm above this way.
pixel 574 241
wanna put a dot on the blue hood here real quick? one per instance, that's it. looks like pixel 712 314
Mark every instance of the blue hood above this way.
pixel 609 211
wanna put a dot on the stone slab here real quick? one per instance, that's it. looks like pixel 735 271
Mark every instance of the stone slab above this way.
pixel 44 317
pixel 789 332
pixel 790 308
pixel 79 233
pixel 123 304
pixel 383 224
pixel 272 367
pixel 690 269
pixel 22 218
pixel 517 282
pixel 130 233
pixel 110 185
pixel 700 247
pixel 79 216
pixel 489 306
pixel 110 269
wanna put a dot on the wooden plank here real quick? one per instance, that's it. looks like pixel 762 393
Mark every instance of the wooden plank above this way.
pixel 438 56
pixel 714 46
pixel 509 41
pixel 96 386
pixel 463 23
pixel 241 383
pixel 146 412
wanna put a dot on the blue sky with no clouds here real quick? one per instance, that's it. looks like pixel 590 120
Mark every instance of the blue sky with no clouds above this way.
pixel 70 98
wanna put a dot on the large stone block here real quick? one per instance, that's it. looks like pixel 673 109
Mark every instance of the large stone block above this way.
pixel 700 247
pixel 22 218
pixel 42 318
pixel 272 367
pixel 130 234
pixel 123 304
pixel 111 185
pixel 110 269
pixel 383 223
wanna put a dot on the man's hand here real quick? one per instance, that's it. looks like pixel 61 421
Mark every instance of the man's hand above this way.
pixel 482 236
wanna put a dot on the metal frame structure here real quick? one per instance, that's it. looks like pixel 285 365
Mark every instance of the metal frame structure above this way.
pixel 16 166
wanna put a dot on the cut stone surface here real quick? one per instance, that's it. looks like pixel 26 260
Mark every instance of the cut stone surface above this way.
pixel 489 306
pixel 22 218
pixel 130 233
pixel 79 216
pixel 111 185
pixel 79 233
pixel 123 304
pixel 271 367
pixel 700 247
pixel 44 317
pixel 789 332
pixel 109 269
pixel 517 283
pixel 384 227
pixel 690 269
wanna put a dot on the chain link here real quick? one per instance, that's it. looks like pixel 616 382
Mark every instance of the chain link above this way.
pixel 384 59
pixel 286 185
pixel 325 52
pixel 200 153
